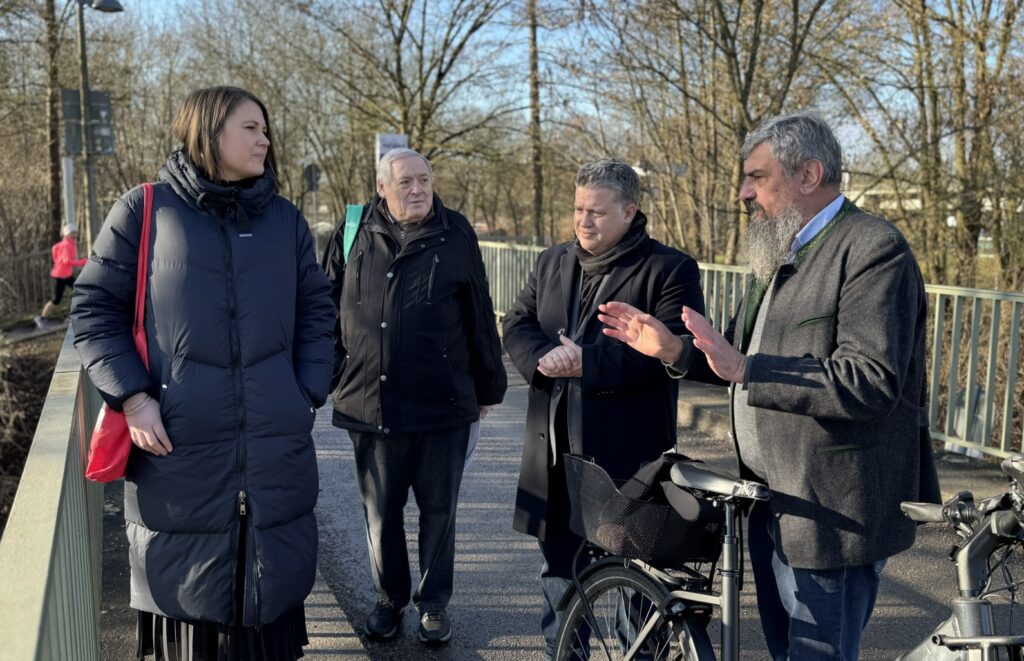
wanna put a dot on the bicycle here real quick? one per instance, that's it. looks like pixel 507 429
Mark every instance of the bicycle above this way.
pixel 623 606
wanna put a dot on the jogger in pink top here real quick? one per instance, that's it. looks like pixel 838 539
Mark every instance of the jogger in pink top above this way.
pixel 65 260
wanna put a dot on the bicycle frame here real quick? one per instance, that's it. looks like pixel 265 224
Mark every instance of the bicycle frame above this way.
pixel 728 599
pixel 967 635
pixel 969 632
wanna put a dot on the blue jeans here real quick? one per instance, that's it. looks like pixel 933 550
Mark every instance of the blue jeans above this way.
pixel 808 614
pixel 555 578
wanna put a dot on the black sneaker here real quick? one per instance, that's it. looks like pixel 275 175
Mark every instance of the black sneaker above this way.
pixel 435 627
pixel 382 623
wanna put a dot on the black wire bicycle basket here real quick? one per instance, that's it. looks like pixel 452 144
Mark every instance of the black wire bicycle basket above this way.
pixel 645 528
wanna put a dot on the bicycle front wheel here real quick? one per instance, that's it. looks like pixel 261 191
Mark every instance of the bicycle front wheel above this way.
pixel 626 623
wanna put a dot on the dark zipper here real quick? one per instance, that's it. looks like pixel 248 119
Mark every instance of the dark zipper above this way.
pixel 252 573
pixel 359 277
pixel 236 370
pixel 430 283
pixel 385 352
pixel 236 355
pixel 451 372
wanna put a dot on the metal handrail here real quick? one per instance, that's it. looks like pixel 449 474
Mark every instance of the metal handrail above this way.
pixel 974 352
pixel 50 555
pixel 24 282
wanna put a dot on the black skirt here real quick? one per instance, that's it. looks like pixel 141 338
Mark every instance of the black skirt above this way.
pixel 166 639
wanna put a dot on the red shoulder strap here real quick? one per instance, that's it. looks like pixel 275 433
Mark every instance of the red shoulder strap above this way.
pixel 141 274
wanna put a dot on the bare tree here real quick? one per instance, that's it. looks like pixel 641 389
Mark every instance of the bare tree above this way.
pixel 414 67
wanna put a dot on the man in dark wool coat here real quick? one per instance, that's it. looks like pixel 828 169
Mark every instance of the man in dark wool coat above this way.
pixel 826 368
pixel 589 393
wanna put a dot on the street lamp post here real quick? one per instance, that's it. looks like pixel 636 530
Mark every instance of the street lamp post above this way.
pixel 91 213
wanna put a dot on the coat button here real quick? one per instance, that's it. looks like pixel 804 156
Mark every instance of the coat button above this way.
pixel 423 245
pixel 558 388
pixel 383 324
pixel 383 377
pixel 387 431
pixel 390 275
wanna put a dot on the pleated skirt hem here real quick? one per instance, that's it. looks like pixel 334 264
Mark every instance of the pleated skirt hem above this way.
pixel 166 639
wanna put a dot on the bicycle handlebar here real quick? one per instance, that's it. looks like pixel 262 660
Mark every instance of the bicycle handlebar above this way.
pixel 1002 514
pixel 923 512
pixel 1005 523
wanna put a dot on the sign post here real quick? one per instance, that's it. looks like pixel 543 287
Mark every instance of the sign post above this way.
pixel 388 141
pixel 101 115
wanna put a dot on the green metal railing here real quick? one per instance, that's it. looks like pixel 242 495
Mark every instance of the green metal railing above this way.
pixel 975 368
pixel 24 283
pixel 974 353
pixel 50 552
pixel 508 268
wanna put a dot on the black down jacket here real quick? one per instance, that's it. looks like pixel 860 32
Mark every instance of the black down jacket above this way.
pixel 418 346
pixel 238 321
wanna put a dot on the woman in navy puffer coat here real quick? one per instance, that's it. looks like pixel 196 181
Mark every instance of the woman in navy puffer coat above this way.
pixel 220 490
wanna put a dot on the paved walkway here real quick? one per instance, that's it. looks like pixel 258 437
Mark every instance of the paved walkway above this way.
pixel 27 330
pixel 496 604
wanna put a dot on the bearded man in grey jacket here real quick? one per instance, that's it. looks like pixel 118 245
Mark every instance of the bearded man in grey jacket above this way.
pixel 826 368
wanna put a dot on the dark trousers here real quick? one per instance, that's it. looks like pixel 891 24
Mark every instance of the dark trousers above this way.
pixel 808 614
pixel 59 285
pixel 431 463
pixel 558 548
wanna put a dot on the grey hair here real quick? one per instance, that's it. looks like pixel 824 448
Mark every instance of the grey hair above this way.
pixel 384 164
pixel 614 174
pixel 798 137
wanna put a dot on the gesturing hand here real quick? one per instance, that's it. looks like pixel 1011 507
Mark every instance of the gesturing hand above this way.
pixel 639 331
pixel 142 413
pixel 563 361
pixel 723 359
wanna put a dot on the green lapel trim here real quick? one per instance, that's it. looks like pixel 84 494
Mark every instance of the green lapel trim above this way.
pixel 757 290
pixel 754 298
pixel 845 210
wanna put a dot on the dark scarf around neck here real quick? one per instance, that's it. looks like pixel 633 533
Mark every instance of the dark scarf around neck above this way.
pixel 632 241
pixel 594 267
pixel 235 200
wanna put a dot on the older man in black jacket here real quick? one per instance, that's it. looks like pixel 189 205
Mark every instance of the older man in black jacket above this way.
pixel 588 393
pixel 418 360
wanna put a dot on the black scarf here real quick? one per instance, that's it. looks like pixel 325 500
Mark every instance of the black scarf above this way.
pixel 593 267
pixel 233 201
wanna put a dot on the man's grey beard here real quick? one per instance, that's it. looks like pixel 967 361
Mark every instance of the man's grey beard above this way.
pixel 770 239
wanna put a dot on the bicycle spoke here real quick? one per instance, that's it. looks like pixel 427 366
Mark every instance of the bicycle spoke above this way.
pixel 621 621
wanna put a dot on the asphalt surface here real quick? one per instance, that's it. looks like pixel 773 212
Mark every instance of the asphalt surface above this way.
pixel 496 605
pixel 27 330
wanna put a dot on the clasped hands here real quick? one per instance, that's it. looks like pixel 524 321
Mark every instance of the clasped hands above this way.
pixel 142 413
pixel 646 334
pixel 562 361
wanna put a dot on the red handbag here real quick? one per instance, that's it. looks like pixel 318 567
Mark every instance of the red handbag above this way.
pixel 111 441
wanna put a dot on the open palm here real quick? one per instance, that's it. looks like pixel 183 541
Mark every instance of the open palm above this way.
pixel 638 330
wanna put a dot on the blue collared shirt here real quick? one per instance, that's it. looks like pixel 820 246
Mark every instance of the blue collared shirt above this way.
pixel 811 229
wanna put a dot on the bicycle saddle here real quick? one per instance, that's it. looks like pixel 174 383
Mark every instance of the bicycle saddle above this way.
pixel 698 476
